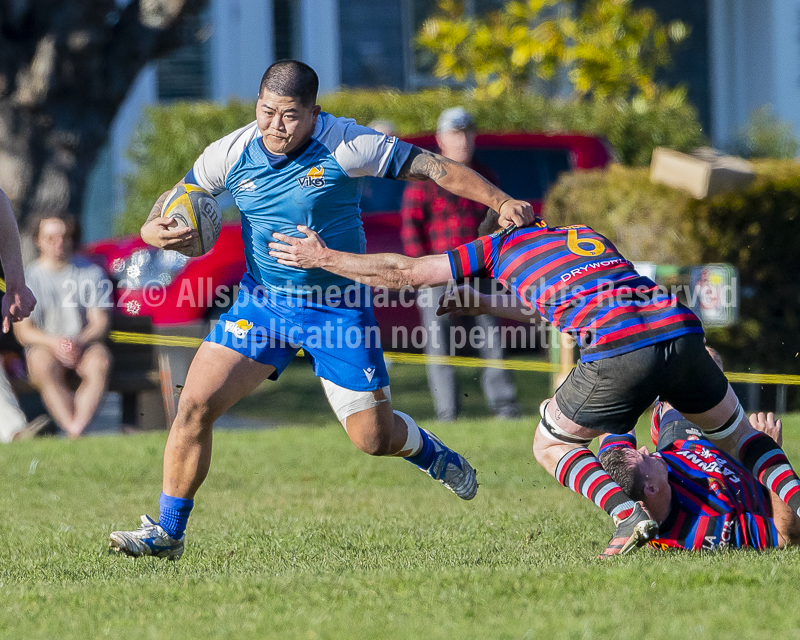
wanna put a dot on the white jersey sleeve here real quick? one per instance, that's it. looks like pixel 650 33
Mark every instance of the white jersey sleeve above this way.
pixel 360 151
pixel 211 169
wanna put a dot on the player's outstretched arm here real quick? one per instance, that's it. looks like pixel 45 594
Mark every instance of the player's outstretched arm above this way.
pixel 18 301
pixel 466 183
pixel 389 270
pixel 466 301
pixel 156 230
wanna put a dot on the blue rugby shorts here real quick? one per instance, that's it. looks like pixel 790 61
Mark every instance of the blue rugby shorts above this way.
pixel 338 333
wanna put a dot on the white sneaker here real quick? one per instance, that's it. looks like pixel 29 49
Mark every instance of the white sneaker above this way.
pixel 452 470
pixel 148 540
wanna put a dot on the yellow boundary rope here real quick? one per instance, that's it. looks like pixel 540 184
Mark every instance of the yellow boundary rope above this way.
pixel 128 337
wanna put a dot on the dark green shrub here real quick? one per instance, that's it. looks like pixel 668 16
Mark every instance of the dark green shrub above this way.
pixel 758 231
pixel 645 221
pixel 765 136
pixel 634 128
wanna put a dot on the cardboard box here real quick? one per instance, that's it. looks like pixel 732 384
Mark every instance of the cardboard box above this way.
pixel 705 172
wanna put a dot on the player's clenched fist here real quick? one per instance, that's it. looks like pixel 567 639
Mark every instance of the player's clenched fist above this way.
pixel 516 212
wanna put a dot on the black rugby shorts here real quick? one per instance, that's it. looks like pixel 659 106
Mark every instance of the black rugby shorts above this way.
pixel 609 395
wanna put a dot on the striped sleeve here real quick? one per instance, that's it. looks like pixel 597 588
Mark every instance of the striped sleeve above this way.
pixel 627 440
pixel 474 259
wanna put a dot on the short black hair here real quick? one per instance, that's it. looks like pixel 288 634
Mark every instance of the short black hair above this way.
pixel 617 463
pixel 293 79
pixel 490 224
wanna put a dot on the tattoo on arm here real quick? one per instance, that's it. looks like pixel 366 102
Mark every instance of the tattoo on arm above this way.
pixel 155 212
pixel 424 165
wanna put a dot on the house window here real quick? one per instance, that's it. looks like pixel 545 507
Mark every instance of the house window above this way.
pixel 183 74
pixel 286 18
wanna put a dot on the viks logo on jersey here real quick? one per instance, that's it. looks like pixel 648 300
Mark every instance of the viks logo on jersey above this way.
pixel 314 178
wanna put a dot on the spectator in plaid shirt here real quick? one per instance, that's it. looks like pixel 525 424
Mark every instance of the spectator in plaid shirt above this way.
pixel 434 220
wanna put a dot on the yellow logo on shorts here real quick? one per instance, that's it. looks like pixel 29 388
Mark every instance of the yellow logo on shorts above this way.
pixel 314 178
pixel 238 328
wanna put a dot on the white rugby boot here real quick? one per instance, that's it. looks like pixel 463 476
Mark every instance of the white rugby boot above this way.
pixel 148 540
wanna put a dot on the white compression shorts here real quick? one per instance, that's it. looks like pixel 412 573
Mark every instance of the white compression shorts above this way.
pixel 346 402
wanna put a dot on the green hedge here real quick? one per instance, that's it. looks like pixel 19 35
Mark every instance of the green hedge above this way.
pixel 166 144
pixel 646 222
pixel 757 230
pixel 171 137
pixel 634 129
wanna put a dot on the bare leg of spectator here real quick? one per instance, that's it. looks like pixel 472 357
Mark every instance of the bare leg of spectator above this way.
pixel 47 374
pixel 12 420
pixel 93 370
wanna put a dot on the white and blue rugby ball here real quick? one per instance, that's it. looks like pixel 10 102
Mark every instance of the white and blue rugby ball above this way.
pixel 192 206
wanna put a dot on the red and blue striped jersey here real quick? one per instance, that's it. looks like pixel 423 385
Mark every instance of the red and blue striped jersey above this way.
pixel 716 502
pixel 579 282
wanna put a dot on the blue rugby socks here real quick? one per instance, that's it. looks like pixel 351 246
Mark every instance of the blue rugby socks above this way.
pixel 425 457
pixel 174 514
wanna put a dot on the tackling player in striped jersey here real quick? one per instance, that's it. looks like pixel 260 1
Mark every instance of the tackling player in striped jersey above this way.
pixel 637 343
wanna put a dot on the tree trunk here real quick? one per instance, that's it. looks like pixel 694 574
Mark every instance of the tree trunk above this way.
pixel 65 68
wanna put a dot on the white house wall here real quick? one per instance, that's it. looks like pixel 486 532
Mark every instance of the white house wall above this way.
pixel 320 41
pixel 785 40
pixel 755 60
pixel 242 46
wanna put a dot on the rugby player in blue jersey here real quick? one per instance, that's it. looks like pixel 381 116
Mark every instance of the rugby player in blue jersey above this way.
pixel 297 165
pixel 637 343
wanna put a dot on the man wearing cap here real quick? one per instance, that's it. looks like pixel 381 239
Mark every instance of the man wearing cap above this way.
pixel 433 221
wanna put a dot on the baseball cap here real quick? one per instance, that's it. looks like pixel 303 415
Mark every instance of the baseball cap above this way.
pixel 454 118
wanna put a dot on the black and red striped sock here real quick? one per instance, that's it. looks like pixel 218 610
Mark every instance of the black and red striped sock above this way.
pixel 582 472
pixel 768 463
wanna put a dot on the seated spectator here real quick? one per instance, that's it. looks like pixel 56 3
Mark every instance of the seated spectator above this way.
pixel 63 338
pixel 18 302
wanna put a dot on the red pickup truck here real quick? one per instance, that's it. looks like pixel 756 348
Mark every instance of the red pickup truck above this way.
pixel 174 290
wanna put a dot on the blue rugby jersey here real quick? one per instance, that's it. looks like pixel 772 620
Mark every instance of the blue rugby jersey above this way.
pixel 317 185
pixel 579 282
pixel 716 502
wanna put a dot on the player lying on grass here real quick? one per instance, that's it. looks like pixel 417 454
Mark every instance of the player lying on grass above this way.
pixel 707 499
pixel 701 497
pixel 637 343
pixel 296 164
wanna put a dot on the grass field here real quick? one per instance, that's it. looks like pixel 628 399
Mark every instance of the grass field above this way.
pixel 298 535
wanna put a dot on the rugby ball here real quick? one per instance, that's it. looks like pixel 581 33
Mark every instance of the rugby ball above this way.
pixel 192 206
